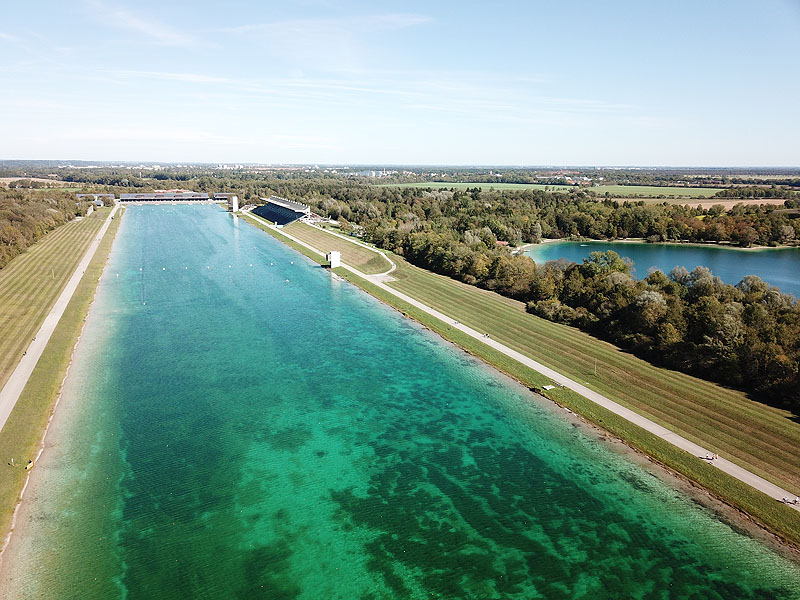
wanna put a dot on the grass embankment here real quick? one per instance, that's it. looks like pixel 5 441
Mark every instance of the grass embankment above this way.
pixel 364 259
pixel 720 419
pixel 778 517
pixel 618 190
pixel 760 438
pixel 23 431
pixel 31 283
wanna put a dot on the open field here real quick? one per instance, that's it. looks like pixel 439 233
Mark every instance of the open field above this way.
pixel 23 431
pixel 31 282
pixel 367 261
pixel 53 182
pixel 654 191
pixel 757 437
pixel 627 190
pixel 775 515
pixel 463 186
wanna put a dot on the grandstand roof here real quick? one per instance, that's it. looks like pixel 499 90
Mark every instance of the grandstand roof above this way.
pixel 290 204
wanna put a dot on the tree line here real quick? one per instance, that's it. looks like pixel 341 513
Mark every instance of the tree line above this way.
pixel 25 216
pixel 746 336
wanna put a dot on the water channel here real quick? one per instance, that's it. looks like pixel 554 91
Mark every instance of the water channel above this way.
pixel 238 424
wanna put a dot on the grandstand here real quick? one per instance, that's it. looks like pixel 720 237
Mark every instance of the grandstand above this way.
pixel 281 211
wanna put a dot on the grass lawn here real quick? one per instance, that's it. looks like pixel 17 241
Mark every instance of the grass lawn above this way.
pixel 760 438
pixel 23 431
pixel 32 281
pixel 365 260
pixel 620 190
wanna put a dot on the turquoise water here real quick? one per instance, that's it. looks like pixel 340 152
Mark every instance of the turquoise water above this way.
pixel 779 267
pixel 265 431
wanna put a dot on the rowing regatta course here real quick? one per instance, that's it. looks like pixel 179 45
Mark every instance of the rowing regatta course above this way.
pixel 237 423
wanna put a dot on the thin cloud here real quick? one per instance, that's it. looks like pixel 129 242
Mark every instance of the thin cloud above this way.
pixel 335 45
pixel 8 37
pixel 150 28
pixel 181 77
pixel 355 24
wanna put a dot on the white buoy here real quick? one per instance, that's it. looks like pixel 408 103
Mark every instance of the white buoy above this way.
pixel 251 264
pixel 291 263
pixel 229 266
pixel 163 268
pixel 208 267
pixel 187 268
pixel 140 268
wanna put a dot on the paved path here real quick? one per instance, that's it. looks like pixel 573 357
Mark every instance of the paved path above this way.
pixel 381 276
pixel 759 483
pixel 19 378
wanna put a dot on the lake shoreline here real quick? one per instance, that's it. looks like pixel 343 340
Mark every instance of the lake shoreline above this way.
pixel 520 250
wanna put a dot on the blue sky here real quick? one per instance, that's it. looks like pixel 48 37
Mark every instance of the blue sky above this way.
pixel 493 83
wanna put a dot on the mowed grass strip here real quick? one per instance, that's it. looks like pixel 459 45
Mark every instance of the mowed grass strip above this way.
pixel 22 433
pixel 760 438
pixel 778 517
pixel 365 260
pixel 31 283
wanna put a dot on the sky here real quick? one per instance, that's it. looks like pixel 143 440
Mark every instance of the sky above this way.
pixel 678 83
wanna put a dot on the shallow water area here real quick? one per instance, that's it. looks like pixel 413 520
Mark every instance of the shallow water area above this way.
pixel 239 424
pixel 777 266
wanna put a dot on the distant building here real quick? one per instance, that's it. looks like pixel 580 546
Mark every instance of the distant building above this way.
pixel 231 199
pixel 165 197
pixel 281 211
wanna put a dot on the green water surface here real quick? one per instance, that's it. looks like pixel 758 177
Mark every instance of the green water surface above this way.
pixel 241 425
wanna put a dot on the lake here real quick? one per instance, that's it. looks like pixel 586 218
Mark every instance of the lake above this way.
pixel 777 266
pixel 238 424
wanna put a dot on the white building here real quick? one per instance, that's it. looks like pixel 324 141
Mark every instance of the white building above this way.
pixel 335 258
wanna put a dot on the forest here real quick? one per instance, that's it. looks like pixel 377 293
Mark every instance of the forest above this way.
pixel 746 336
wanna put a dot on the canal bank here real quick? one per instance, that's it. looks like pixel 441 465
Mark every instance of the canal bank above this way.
pixel 742 489
pixel 254 427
